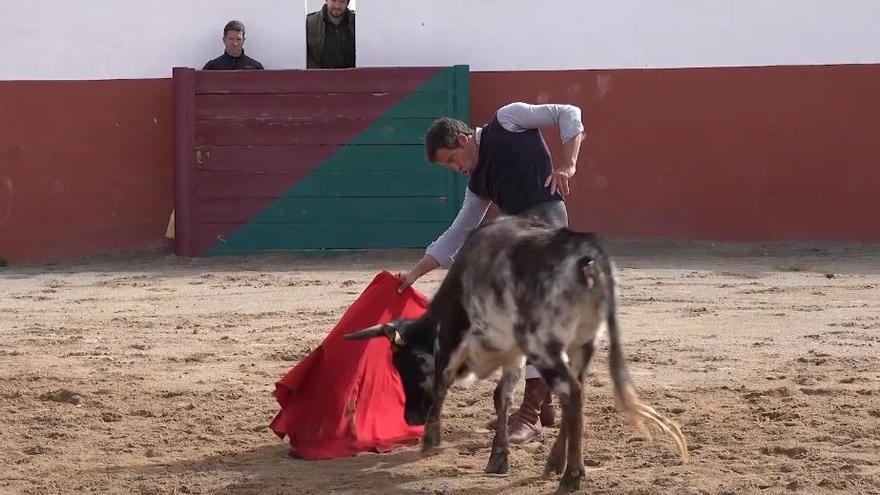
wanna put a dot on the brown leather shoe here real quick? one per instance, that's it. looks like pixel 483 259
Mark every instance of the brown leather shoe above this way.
pixel 525 424
pixel 521 431
pixel 547 414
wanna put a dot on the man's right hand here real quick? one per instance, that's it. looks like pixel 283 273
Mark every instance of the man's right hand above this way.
pixel 406 280
pixel 425 265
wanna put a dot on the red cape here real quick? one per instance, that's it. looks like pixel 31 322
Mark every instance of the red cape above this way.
pixel 345 397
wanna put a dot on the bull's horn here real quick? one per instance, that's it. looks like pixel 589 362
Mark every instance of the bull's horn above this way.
pixel 367 333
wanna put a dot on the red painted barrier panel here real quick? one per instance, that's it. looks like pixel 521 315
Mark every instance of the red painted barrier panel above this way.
pixel 85 167
pixel 736 154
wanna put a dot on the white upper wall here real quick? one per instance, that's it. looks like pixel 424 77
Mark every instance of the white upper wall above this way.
pixel 130 39
pixel 590 34
pixel 121 39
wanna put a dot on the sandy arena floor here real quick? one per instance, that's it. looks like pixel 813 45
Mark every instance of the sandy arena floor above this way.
pixel 154 375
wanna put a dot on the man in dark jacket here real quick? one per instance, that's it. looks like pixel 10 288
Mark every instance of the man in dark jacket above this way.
pixel 330 36
pixel 509 165
pixel 233 57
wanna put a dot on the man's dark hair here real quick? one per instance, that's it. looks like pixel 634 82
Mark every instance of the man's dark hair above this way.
pixel 444 134
pixel 233 26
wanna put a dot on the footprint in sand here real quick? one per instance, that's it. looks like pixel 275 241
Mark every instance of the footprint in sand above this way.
pixel 63 396
pixel 790 452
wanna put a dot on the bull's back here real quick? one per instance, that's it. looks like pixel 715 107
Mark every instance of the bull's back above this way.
pixel 517 271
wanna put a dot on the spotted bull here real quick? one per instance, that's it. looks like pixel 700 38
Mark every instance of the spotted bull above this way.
pixel 518 290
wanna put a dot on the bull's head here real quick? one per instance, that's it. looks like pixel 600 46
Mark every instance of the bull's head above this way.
pixel 412 347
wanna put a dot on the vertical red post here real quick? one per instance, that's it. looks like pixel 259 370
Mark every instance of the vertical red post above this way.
pixel 185 224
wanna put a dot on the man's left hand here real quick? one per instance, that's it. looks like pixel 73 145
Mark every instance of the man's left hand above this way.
pixel 558 180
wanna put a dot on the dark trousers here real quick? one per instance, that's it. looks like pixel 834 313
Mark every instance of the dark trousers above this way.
pixel 555 214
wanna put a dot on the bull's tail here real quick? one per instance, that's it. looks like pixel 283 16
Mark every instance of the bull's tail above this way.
pixel 626 399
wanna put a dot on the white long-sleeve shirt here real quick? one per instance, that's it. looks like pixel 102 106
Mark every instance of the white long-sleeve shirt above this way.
pixel 515 117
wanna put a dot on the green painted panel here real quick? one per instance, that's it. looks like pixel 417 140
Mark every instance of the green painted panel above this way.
pixel 420 105
pixel 278 237
pixel 366 183
pixel 394 131
pixel 461 109
pixel 384 158
pixel 436 84
pixel 322 210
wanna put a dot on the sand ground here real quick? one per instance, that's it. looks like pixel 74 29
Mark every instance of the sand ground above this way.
pixel 153 375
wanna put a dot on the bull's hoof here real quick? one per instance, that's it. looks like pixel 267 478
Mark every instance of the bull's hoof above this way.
pixel 497 463
pixel 431 438
pixel 555 465
pixel 430 448
pixel 571 482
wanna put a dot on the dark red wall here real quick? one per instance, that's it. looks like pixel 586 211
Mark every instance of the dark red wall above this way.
pixel 748 154
pixel 745 154
pixel 85 167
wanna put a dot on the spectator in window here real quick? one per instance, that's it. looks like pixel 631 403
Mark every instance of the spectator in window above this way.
pixel 330 36
pixel 233 57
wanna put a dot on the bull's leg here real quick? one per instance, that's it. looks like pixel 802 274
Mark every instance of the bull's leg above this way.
pixel 444 375
pixel 579 362
pixel 556 460
pixel 503 392
pixel 431 437
pixel 574 469
pixel 568 388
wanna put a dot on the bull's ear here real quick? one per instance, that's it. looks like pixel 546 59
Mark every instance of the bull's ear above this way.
pixel 394 332
pixel 396 338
